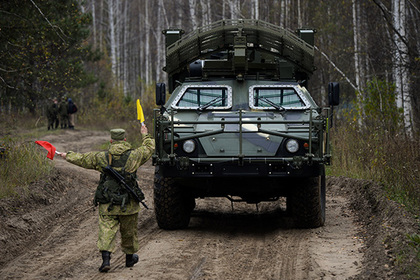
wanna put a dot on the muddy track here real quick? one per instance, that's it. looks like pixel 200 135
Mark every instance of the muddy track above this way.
pixel 222 242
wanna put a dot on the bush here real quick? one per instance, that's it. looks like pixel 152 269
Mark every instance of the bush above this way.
pixel 377 149
pixel 20 165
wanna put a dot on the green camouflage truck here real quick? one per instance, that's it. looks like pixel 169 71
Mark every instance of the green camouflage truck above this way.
pixel 239 122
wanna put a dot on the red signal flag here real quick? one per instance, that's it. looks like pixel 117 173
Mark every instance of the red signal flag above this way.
pixel 49 147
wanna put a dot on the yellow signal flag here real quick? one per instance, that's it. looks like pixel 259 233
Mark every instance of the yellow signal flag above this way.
pixel 140 115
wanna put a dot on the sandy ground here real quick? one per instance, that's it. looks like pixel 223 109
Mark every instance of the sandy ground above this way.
pixel 51 234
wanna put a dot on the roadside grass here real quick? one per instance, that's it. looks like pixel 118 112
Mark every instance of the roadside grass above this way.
pixel 370 143
pixel 406 255
pixel 393 162
pixel 414 242
pixel 21 161
pixel 20 165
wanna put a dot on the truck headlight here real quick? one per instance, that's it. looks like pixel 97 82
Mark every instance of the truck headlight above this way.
pixel 188 146
pixel 292 146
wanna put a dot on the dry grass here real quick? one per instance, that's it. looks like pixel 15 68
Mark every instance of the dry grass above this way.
pixel 20 165
pixel 391 160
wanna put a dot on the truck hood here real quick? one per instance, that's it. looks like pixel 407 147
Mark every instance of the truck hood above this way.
pixel 228 144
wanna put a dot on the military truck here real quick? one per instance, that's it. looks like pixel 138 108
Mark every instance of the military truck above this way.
pixel 239 122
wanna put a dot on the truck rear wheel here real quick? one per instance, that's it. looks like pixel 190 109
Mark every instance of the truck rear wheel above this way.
pixel 307 202
pixel 172 204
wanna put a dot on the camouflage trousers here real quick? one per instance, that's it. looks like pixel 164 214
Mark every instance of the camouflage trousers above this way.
pixel 108 228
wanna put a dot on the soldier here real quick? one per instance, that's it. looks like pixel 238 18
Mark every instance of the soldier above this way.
pixel 116 207
pixel 63 113
pixel 71 109
pixel 52 117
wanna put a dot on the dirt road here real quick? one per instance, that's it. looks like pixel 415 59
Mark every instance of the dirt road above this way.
pixel 52 234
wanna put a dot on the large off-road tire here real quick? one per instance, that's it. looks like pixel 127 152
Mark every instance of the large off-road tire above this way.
pixel 307 202
pixel 172 204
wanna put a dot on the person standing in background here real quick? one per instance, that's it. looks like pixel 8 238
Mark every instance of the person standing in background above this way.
pixel 71 109
pixel 63 113
pixel 52 115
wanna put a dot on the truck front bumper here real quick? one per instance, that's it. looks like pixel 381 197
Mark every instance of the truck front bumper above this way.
pixel 240 167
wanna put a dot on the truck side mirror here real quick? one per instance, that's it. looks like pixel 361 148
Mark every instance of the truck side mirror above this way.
pixel 334 94
pixel 160 94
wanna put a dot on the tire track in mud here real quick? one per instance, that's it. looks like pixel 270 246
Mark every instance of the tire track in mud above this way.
pixel 232 246
pixel 289 255
pixel 239 245
pixel 58 254
pixel 248 252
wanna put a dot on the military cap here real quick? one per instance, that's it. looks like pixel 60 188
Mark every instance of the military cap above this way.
pixel 117 134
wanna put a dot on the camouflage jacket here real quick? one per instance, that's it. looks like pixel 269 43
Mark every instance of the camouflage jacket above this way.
pixel 52 111
pixel 62 109
pixel 98 160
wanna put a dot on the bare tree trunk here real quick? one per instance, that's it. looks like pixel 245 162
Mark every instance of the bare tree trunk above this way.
pixel 224 9
pixel 125 48
pixel 147 53
pixel 255 9
pixel 192 4
pixel 356 43
pixel 357 62
pixel 203 13
pixel 158 38
pixel 179 11
pixel 163 9
pixel 142 50
pixel 118 35
pixel 101 20
pixel 400 67
pixel 161 46
pixel 234 9
pixel 415 16
pixel 94 24
pixel 286 11
pixel 209 18
pixel 282 14
pixel 299 14
pixel 112 39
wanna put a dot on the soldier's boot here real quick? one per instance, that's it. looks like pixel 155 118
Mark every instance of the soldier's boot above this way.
pixel 131 260
pixel 106 257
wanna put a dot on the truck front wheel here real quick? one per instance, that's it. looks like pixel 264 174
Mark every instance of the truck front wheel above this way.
pixel 172 203
pixel 307 202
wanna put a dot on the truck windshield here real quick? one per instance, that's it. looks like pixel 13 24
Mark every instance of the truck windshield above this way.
pixel 203 98
pixel 275 98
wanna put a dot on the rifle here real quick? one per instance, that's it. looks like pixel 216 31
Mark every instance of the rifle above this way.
pixel 120 179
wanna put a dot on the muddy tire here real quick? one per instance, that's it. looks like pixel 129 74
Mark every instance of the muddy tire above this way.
pixel 172 204
pixel 307 202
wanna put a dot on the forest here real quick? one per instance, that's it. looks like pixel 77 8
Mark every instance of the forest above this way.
pixel 104 54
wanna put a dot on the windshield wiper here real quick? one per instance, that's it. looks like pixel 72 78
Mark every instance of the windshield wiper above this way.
pixel 269 102
pixel 211 102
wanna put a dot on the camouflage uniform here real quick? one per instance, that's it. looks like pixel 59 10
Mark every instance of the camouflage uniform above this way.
pixel 52 115
pixel 109 219
pixel 71 109
pixel 64 115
